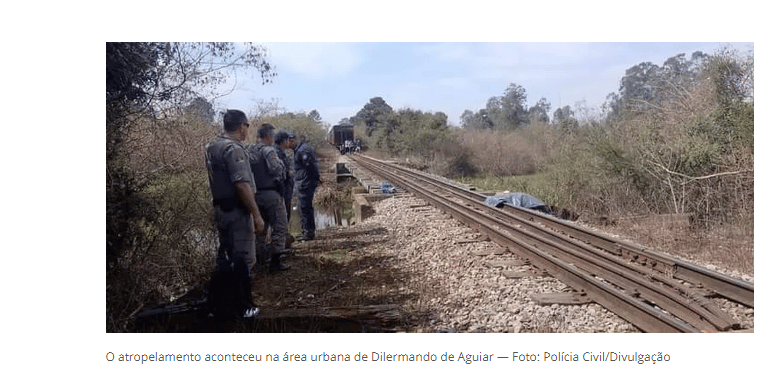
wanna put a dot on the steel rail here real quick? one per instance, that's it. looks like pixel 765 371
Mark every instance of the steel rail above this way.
pixel 729 287
pixel 638 312
pixel 667 293
pixel 640 281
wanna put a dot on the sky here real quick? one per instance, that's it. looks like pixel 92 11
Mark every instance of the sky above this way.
pixel 338 79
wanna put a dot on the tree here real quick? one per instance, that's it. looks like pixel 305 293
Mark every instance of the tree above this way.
pixel 677 69
pixel 484 120
pixel 508 111
pixel 409 131
pixel 201 109
pixel 565 117
pixel 298 123
pixel 315 116
pixel 156 79
pixel 437 121
pixel 513 110
pixel 157 227
pixel 563 113
pixel 732 83
pixel 371 113
pixel 638 84
pixel 539 112
pixel 646 85
pixel 466 119
pixel 682 135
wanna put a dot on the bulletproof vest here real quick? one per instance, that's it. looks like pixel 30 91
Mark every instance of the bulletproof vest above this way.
pixel 286 163
pixel 303 162
pixel 263 179
pixel 223 189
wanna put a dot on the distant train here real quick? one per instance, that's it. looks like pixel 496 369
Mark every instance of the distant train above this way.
pixel 339 134
pixel 341 137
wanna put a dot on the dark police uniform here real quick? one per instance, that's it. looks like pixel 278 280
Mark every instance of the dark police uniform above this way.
pixel 228 163
pixel 269 172
pixel 306 178
pixel 287 183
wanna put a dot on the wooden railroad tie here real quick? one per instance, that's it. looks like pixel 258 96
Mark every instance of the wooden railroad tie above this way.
pixel 467 240
pixel 506 263
pixel 520 274
pixel 487 252
pixel 380 311
pixel 569 298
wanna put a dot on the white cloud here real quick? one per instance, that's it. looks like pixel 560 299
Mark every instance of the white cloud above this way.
pixel 315 60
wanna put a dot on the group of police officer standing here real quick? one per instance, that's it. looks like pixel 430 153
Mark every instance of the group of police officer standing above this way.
pixel 252 189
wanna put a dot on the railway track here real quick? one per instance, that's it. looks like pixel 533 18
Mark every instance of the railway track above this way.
pixel 654 291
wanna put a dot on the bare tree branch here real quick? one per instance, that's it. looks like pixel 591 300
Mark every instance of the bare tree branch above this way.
pixel 701 177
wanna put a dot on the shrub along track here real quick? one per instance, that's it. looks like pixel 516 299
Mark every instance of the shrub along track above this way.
pixel 653 291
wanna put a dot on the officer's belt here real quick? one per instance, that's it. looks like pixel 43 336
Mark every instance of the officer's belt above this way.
pixel 227 204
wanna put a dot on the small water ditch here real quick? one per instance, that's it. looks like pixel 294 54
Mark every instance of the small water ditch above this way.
pixel 335 210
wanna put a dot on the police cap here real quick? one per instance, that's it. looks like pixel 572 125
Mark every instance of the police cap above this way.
pixel 282 136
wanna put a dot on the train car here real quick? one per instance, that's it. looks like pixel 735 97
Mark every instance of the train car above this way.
pixel 339 134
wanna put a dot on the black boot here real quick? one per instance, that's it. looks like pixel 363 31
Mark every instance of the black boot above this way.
pixel 275 265
pixel 306 236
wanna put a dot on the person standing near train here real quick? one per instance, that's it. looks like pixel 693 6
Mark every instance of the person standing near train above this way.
pixel 306 178
pixel 284 140
pixel 237 217
pixel 269 173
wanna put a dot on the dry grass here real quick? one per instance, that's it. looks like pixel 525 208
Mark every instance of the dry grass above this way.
pixel 500 153
pixel 174 247
pixel 727 247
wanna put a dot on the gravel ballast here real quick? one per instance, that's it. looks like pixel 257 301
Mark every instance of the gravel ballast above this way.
pixel 460 291
pixel 462 288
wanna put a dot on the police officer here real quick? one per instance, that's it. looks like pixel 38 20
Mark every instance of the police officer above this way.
pixel 269 173
pixel 283 140
pixel 306 178
pixel 236 216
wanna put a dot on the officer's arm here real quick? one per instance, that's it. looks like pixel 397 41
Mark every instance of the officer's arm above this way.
pixel 275 165
pixel 310 163
pixel 314 167
pixel 245 191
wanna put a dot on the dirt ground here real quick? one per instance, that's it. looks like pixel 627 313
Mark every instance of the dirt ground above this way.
pixel 336 277
pixel 340 282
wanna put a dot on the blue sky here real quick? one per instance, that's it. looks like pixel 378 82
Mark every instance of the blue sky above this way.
pixel 337 79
